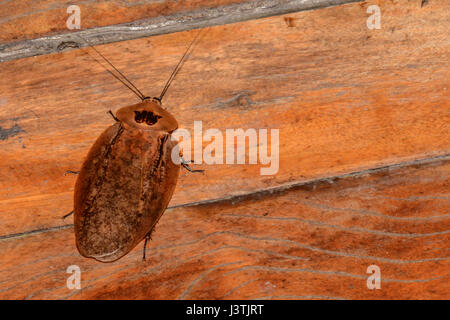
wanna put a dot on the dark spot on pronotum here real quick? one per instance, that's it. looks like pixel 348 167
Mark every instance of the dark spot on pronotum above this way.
pixel 138 116
pixel 146 116
pixel 424 3
pixel 11 132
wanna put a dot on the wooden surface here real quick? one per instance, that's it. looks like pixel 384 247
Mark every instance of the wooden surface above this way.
pixel 45 19
pixel 346 100
pixel 32 19
pixel 315 241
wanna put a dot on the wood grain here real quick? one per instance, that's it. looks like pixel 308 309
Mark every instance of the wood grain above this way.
pixel 171 19
pixel 346 100
pixel 32 19
pixel 343 102
pixel 312 242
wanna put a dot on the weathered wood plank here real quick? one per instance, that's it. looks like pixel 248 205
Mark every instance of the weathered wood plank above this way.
pixel 162 17
pixel 314 241
pixel 32 19
pixel 343 101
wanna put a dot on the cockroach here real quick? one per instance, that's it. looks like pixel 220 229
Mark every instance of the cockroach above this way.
pixel 128 177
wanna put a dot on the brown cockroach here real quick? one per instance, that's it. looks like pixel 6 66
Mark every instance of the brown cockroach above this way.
pixel 128 176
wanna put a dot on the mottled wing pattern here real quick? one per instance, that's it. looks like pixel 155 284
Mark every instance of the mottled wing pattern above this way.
pixel 123 188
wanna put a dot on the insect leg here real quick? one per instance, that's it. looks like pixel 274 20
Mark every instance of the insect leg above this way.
pixel 70 171
pixel 147 237
pixel 67 215
pixel 185 165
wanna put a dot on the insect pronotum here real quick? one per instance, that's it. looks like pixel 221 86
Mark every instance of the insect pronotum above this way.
pixel 128 176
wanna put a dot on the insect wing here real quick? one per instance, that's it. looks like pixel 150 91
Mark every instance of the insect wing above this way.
pixel 123 188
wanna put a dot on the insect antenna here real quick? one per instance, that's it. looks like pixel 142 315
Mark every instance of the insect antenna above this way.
pixel 125 81
pixel 178 66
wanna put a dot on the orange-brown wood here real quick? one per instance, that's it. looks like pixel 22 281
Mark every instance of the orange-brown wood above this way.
pixel 315 241
pixel 343 101
pixel 30 19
